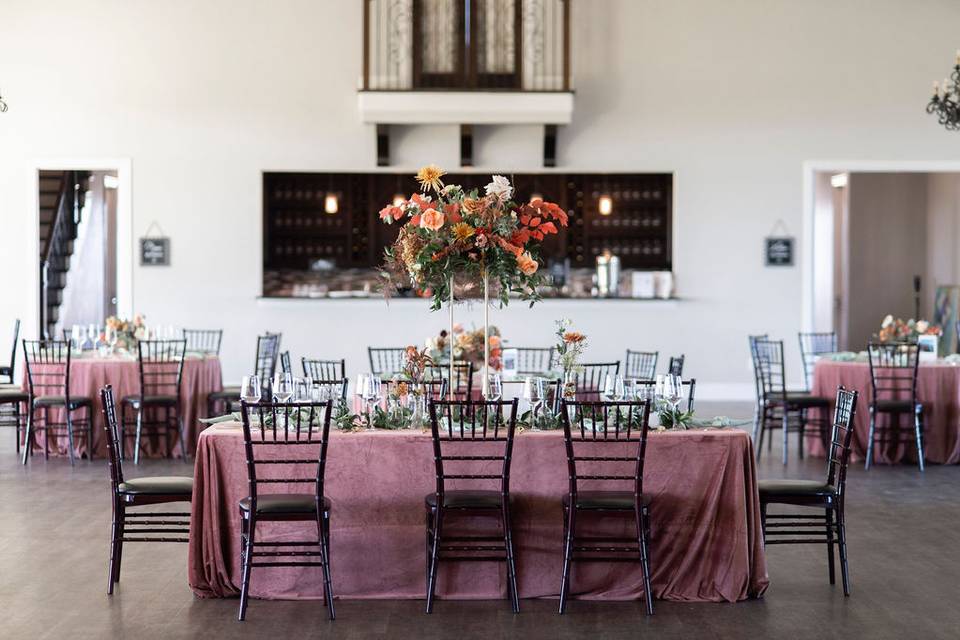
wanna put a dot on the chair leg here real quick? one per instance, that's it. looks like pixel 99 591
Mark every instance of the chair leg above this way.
pixel 325 557
pixel 136 438
pixel 16 423
pixel 783 424
pixel 918 428
pixel 763 522
pixel 115 542
pixel 762 428
pixel 842 540
pixel 27 449
pixel 183 437
pixel 801 433
pixel 830 558
pixel 873 428
pixel 569 530
pixel 46 433
pixel 434 557
pixel 121 530
pixel 511 563
pixel 429 544
pixel 642 517
pixel 69 421
pixel 247 542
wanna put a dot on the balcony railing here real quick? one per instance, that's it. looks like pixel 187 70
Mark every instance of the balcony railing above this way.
pixel 466 45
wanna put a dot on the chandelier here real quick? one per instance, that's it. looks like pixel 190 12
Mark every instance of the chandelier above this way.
pixel 946 99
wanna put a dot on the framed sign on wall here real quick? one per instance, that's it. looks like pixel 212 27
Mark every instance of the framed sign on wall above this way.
pixel 154 249
pixel 778 251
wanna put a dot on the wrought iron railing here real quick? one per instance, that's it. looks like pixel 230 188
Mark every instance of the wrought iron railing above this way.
pixel 466 45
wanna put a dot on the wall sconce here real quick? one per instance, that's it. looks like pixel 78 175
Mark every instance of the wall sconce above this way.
pixel 605 205
pixel 330 204
pixel 398 199
pixel 536 196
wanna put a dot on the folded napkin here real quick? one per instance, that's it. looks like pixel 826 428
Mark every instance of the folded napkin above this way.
pixel 718 422
pixel 842 356
pixel 230 417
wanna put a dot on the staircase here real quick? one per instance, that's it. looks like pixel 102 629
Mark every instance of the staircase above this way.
pixel 61 201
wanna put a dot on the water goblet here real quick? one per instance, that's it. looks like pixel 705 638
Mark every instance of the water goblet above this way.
pixel 494 387
pixel 250 391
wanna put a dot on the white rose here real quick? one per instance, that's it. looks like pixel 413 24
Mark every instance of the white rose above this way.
pixel 922 326
pixel 887 321
pixel 500 187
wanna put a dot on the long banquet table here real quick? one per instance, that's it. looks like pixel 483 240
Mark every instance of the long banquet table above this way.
pixel 938 388
pixel 201 376
pixel 706 533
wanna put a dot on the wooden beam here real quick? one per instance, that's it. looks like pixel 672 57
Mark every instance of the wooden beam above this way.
pixel 366 44
pixel 549 145
pixel 466 145
pixel 383 145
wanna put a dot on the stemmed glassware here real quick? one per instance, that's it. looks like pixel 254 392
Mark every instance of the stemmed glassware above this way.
pixel 494 387
pixel 250 391
pixel 368 390
pixel 613 388
pixel 674 391
pixel 533 394
pixel 283 386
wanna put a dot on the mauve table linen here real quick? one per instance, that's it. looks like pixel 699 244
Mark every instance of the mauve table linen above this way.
pixel 707 539
pixel 938 389
pixel 201 376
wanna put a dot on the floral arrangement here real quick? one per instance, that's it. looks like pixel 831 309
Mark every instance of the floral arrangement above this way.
pixel 467 347
pixel 447 230
pixel 570 346
pixel 415 364
pixel 128 332
pixel 897 330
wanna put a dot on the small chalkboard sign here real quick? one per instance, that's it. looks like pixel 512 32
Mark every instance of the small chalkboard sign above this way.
pixel 779 251
pixel 155 252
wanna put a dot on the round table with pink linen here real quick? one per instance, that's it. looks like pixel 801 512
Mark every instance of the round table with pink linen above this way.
pixel 938 389
pixel 201 376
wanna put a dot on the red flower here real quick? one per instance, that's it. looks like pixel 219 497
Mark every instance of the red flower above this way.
pixel 453 212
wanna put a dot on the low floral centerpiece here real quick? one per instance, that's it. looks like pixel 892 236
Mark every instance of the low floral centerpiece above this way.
pixel 569 349
pixel 128 332
pixel 899 330
pixel 450 234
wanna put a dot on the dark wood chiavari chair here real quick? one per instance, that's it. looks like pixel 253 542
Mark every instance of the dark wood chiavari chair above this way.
pixel 812 346
pixel 434 389
pixel 139 526
pixel 690 384
pixel 386 361
pixel 265 365
pixel 591 377
pixel 301 430
pixel 893 375
pixel 612 435
pixel 803 528
pixel 641 364
pixel 285 365
pixel 13 399
pixel 48 379
pixel 462 383
pixel 783 409
pixel 203 341
pixel 156 410
pixel 675 366
pixel 472 447
pixel 334 388
pixel 324 369
pixel 534 361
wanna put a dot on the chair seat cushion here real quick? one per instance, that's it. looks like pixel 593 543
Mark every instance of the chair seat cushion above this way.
pixel 160 485
pixel 466 499
pixel 134 401
pixel 281 503
pixel 795 488
pixel 612 500
pixel 61 401
pixel 11 393
pixel 891 406
pixel 806 400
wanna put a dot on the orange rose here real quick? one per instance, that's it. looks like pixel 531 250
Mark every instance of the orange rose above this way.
pixel 432 219
pixel 527 264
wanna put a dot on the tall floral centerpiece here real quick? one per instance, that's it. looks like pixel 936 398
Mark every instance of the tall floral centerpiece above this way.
pixel 450 233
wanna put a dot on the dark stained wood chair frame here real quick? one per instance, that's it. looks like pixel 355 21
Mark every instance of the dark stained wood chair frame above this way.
pixel 591 377
pixel 613 434
pixel 534 361
pixel 893 372
pixel 812 346
pixel 386 361
pixel 142 526
pixel 690 384
pixel 462 383
pixel 205 341
pixel 14 402
pixel 50 389
pixel 157 409
pixel 265 365
pixel 324 369
pixel 675 365
pixel 829 528
pixel 641 364
pixel 305 441
pixel 482 426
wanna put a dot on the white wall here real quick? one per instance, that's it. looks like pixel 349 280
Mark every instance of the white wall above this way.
pixel 205 95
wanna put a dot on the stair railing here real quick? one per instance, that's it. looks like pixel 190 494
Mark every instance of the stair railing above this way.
pixel 53 256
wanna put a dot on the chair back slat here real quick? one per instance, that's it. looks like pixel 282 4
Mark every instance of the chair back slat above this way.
pixel 114 436
pixel 534 361
pixel 754 358
pixel 838 457
pixel 812 346
pixel 205 341
pixel 591 377
pixel 301 427
pixel 772 373
pixel 462 383
pixel 641 364
pixel 690 384
pixel 487 428
pixel 434 389
pixel 675 366
pixel 324 369
pixel 268 353
pixel 606 441
pixel 333 389
pixel 386 361
pixel 893 370
pixel 161 366
pixel 8 371
pixel 48 367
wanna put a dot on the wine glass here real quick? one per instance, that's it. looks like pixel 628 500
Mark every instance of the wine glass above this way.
pixel 283 386
pixel 674 391
pixel 494 387
pixel 533 393
pixel 613 388
pixel 301 389
pixel 76 338
pixel 660 390
pixel 250 391
pixel 372 396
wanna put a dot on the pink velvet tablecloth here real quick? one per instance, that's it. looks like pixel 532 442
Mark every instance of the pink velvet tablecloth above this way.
pixel 938 388
pixel 707 543
pixel 201 376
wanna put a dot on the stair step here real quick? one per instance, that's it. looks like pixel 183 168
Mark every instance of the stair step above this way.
pixel 48 200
